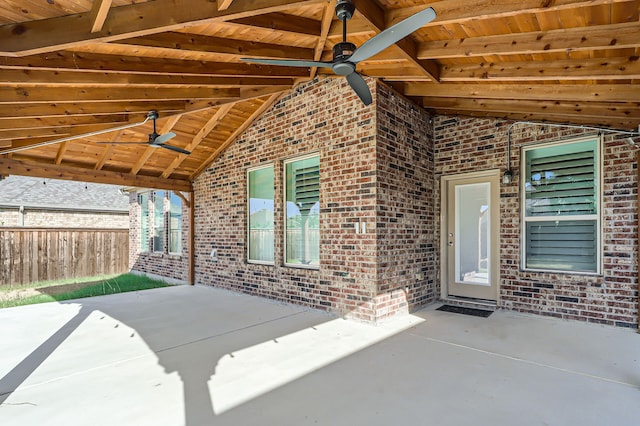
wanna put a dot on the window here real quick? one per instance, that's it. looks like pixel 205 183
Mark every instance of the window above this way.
pixel 302 220
pixel 144 221
pixel 562 207
pixel 260 241
pixel 175 224
pixel 158 221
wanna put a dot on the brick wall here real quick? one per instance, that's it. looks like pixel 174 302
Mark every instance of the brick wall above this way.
pixel 469 144
pixel 352 141
pixel 161 264
pixel 325 117
pixel 380 167
pixel 405 205
pixel 34 218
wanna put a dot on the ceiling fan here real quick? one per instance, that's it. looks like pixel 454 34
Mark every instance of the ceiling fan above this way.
pixel 346 56
pixel 155 140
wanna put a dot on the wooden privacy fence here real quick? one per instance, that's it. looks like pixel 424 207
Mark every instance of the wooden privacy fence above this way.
pixel 31 255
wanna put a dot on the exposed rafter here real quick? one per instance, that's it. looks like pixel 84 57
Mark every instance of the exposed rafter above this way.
pixel 99 13
pixel 9 167
pixel 48 35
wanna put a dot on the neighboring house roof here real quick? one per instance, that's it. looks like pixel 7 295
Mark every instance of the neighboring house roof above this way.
pixel 30 192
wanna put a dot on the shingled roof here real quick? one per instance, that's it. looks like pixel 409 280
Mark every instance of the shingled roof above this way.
pixel 16 191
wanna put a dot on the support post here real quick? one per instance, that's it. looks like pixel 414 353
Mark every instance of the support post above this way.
pixel 192 244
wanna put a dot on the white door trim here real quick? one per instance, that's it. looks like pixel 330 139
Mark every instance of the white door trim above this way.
pixel 444 180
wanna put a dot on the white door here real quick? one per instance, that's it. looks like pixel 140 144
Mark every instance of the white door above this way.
pixel 470 235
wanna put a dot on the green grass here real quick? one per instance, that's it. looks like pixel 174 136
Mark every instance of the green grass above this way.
pixel 51 283
pixel 118 284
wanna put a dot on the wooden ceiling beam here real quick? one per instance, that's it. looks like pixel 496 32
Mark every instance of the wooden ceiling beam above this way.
pixel 198 138
pixel 224 46
pixel 460 11
pixel 116 94
pixel 327 17
pixel 14 135
pixel 30 77
pixel 52 171
pixel 571 70
pixel 622 111
pixel 107 151
pixel 54 110
pixel 48 35
pixel 99 63
pixel 605 122
pixel 224 4
pixel 560 92
pixel 602 37
pixel 52 122
pixel 99 12
pixel 374 15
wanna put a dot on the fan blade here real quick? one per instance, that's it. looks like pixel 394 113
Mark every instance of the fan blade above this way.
pixel 392 35
pixel 359 86
pixel 288 62
pixel 173 148
pixel 163 138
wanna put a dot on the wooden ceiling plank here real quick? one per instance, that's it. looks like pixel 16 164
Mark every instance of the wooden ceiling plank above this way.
pixel 99 63
pixel 198 138
pixel 117 94
pixel 38 77
pixel 99 12
pixel 49 35
pixel 238 131
pixel 281 22
pixel 561 92
pixel 568 70
pixel 52 171
pixel 374 15
pixel 246 94
pixel 219 45
pixel 603 37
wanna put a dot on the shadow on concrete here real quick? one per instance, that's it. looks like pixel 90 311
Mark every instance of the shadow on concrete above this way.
pixel 183 338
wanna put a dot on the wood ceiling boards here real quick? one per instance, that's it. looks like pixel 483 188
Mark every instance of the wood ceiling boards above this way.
pixel 69 67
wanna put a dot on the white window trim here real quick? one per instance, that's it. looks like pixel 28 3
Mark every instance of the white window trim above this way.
pixel 284 209
pixel 168 218
pixel 143 219
pixel 597 216
pixel 164 219
pixel 248 171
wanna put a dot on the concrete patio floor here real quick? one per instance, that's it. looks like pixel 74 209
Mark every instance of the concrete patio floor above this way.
pixel 203 356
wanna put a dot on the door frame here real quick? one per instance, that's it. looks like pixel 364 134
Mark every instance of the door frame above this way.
pixel 494 175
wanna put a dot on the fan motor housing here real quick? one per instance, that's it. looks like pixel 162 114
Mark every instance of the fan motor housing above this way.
pixel 343 51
